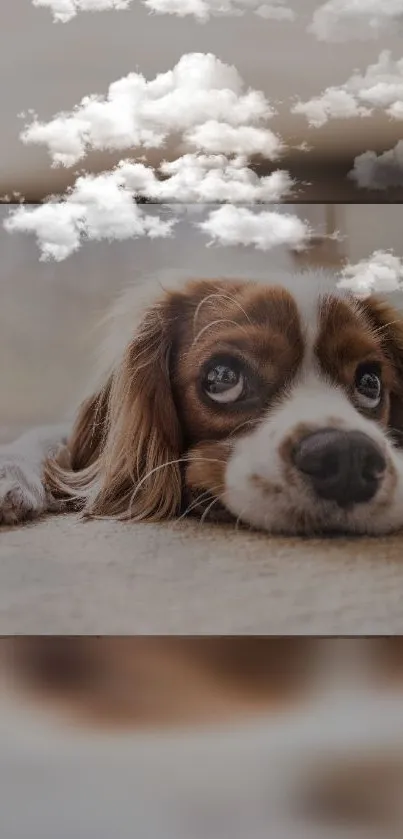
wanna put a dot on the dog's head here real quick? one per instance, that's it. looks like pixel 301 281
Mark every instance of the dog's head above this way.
pixel 280 408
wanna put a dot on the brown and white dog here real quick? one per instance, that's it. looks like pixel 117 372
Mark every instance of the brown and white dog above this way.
pixel 277 406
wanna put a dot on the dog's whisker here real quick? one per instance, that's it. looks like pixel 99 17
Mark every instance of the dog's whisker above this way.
pixel 191 506
pixel 384 327
pixel 207 510
pixel 239 521
pixel 218 296
pixel 149 474
pixel 201 459
pixel 249 422
pixel 168 463
pixel 197 501
pixel 215 323
pixel 394 430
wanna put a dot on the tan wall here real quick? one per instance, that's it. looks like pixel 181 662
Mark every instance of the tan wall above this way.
pixel 370 227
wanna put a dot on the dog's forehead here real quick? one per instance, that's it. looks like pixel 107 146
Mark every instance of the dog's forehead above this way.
pixel 329 315
pixel 304 303
pixel 272 304
pixel 322 305
pixel 304 318
pixel 252 300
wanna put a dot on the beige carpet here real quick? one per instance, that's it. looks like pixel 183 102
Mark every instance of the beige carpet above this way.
pixel 61 575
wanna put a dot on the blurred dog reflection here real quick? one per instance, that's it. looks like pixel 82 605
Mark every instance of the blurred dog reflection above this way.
pixel 157 681
pixel 330 712
pixel 154 681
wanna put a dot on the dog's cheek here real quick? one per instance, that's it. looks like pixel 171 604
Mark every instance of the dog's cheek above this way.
pixel 205 477
pixel 245 496
pixel 206 466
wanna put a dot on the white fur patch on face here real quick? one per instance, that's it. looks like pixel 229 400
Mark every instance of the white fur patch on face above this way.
pixel 266 491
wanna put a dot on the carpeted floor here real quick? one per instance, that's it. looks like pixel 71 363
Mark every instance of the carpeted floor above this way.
pixel 62 575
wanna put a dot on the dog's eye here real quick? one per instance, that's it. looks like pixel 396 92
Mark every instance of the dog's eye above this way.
pixel 368 386
pixel 224 382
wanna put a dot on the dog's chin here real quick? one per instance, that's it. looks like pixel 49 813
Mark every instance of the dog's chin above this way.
pixel 326 521
pixel 317 529
pixel 347 526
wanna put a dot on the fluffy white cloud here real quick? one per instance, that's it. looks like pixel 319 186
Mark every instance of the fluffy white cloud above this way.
pixel 104 206
pixel 202 100
pixel 345 20
pixel 382 272
pixel 263 229
pixel 96 209
pixel 209 178
pixel 220 138
pixel 65 10
pixel 334 103
pixel 202 10
pixel 381 86
pixel 379 171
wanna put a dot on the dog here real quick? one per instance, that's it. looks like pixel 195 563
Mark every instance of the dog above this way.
pixel 276 406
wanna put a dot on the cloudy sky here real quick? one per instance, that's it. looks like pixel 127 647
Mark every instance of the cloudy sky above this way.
pixel 217 123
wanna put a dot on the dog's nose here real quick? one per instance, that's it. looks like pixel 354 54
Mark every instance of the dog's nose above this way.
pixel 341 466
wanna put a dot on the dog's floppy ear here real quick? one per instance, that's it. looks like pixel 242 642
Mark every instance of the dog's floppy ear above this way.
pixel 126 442
pixel 387 322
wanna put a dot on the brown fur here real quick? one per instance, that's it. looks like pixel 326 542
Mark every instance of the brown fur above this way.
pixel 387 324
pixel 146 443
pixel 132 438
pixel 348 338
pixel 126 441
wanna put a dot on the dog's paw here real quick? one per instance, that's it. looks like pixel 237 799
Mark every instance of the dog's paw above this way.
pixel 22 494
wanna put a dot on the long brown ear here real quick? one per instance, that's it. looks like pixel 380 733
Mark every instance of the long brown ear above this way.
pixel 387 321
pixel 126 442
